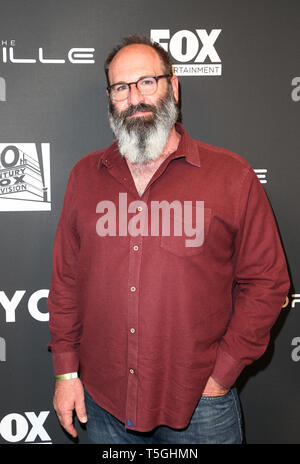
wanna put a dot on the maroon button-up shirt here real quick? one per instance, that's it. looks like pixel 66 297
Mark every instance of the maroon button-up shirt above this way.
pixel 145 317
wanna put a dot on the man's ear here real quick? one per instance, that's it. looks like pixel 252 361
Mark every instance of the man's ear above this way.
pixel 175 85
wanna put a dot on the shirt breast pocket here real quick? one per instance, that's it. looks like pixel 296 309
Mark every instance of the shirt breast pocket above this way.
pixel 187 244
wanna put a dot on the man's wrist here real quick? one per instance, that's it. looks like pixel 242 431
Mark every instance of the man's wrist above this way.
pixel 68 376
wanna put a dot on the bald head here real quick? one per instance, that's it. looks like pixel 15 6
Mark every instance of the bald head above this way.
pixel 140 40
pixel 133 62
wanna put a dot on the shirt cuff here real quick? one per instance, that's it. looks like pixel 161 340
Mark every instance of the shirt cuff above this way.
pixel 226 370
pixel 65 362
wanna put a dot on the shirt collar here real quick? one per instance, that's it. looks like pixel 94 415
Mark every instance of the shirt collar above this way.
pixel 187 148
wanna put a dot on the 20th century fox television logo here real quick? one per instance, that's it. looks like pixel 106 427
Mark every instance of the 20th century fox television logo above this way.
pixel 25 177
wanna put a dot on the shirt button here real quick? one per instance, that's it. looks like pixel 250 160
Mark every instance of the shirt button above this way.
pixel 131 371
pixel 132 330
pixel 139 208
pixel 135 247
pixel 132 289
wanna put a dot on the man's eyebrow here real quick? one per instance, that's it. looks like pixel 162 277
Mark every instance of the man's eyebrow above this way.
pixel 124 82
pixel 119 82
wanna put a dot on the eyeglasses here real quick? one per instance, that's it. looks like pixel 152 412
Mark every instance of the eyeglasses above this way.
pixel 145 85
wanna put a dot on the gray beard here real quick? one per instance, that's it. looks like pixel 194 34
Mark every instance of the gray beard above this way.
pixel 143 139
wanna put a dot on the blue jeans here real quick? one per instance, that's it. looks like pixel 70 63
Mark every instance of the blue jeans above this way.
pixel 215 420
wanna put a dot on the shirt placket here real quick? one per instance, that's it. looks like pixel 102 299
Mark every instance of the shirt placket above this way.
pixel 133 329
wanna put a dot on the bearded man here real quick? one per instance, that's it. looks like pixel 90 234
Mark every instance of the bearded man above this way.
pixel 150 331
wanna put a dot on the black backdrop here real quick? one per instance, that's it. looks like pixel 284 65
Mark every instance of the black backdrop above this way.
pixel 244 96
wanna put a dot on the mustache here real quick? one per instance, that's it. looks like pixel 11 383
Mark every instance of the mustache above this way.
pixel 140 108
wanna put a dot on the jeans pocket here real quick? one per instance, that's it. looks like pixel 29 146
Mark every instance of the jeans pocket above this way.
pixel 220 418
pixel 215 397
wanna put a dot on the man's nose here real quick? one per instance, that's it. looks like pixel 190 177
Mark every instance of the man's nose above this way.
pixel 135 97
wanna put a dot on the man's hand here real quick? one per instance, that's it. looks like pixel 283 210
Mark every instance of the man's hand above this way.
pixel 212 388
pixel 69 395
